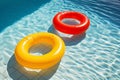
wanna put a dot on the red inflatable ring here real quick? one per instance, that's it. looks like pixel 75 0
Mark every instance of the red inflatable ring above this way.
pixel 71 29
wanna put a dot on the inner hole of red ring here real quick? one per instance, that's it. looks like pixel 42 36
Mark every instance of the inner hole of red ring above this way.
pixel 40 49
pixel 71 21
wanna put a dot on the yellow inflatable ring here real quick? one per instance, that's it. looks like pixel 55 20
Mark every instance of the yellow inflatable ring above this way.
pixel 45 61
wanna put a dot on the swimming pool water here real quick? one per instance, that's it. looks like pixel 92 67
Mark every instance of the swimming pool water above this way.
pixel 91 56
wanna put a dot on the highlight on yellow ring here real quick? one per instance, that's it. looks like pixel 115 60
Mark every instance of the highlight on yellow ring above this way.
pixel 45 61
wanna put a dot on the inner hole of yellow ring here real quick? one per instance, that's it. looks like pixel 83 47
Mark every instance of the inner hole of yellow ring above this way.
pixel 71 21
pixel 40 48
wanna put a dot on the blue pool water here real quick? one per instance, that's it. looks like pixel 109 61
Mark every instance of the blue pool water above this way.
pixel 91 56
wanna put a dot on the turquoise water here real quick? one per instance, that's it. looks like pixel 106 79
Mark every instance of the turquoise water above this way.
pixel 91 56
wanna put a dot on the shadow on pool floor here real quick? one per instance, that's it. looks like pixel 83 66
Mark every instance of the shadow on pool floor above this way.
pixel 69 41
pixel 16 71
pixel 12 11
